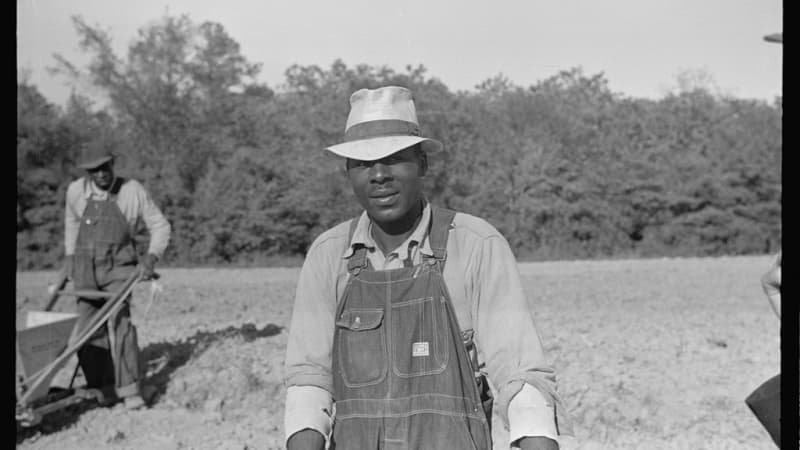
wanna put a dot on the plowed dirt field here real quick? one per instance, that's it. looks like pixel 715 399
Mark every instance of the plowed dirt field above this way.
pixel 650 354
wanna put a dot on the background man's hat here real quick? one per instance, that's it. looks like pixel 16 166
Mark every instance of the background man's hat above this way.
pixel 381 122
pixel 94 155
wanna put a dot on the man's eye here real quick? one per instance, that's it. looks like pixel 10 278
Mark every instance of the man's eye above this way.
pixel 355 163
pixel 394 159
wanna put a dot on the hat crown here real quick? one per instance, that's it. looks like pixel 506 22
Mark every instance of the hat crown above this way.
pixel 381 122
pixel 94 154
pixel 95 151
pixel 385 103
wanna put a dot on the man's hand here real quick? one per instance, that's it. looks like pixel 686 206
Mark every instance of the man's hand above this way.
pixel 306 439
pixel 148 266
pixel 68 262
pixel 537 443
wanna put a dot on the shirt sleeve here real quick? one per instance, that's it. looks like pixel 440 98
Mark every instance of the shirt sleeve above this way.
pixel 310 343
pixel 529 415
pixel 511 359
pixel 71 218
pixel 157 225
pixel 307 407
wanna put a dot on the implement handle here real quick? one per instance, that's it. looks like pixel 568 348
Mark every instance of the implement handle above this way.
pixel 61 281
pixel 87 294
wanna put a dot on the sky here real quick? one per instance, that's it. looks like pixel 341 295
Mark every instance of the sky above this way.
pixel 639 45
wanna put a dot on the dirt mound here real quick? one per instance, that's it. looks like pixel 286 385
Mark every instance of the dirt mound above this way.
pixel 228 372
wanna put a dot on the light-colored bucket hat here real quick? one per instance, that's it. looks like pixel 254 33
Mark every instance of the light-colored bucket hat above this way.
pixel 381 122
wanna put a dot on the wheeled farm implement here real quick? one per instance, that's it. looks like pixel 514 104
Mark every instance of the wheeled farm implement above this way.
pixel 47 341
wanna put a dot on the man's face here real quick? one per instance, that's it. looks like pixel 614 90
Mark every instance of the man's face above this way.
pixel 389 189
pixel 103 175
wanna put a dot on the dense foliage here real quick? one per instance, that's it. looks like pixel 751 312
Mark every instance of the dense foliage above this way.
pixel 565 168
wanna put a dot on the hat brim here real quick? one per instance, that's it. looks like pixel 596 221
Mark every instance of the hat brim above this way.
pixel 380 147
pixel 95 162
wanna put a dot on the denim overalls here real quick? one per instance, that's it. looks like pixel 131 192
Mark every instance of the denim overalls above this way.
pixel 401 373
pixel 104 258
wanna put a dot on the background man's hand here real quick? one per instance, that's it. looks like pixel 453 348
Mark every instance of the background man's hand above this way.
pixel 148 266
pixel 68 260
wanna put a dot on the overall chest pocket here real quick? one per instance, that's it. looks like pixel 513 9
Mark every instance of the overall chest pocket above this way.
pixel 362 346
pixel 420 334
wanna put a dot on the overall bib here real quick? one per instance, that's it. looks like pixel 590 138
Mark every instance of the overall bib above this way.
pixel 401 373
pixel 104 258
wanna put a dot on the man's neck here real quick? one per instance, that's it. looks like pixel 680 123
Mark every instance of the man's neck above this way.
pixel 99 190
pixel 389 236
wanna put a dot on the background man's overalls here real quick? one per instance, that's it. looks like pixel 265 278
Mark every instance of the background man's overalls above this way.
pixel 104 258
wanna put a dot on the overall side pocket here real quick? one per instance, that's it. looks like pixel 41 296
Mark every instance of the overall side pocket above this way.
pixel 362 351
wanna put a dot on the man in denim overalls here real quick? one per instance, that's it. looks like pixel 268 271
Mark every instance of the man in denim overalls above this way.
pixel 410 322
pixel 102 213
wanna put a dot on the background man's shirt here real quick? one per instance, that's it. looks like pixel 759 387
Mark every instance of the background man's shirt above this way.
pixel 134 202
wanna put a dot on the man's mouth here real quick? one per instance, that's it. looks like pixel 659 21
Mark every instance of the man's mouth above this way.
pixel 383 198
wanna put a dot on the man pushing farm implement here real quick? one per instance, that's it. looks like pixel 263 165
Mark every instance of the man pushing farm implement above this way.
pixel 103 212
pixel 101 216
pixel 402 314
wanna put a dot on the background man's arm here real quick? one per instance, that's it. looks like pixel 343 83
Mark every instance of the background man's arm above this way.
pixel 157 225
pixel 71 226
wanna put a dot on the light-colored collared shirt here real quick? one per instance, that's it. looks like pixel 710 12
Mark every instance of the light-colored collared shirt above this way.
pixel 134 202
pixel 483 280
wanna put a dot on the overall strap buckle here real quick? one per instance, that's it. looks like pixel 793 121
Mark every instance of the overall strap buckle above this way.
pixel 441 224
pixel 358 260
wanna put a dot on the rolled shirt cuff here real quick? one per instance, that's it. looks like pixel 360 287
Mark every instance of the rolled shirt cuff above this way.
pixel 127 391
pixel 529 415
pixel 308 407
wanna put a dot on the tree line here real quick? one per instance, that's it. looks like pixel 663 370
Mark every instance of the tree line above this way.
pixel 564 168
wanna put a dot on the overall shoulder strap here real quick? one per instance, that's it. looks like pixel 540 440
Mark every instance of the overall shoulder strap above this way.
pixel 441 224
pixel 358 260
pixel 115 188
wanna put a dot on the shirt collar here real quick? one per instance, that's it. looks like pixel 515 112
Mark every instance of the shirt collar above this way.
pixel 91 189
pixel 363 235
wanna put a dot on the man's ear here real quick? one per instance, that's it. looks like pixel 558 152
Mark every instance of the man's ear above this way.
pixel 423 163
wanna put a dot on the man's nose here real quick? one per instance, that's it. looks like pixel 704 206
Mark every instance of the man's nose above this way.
pixel 379 172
